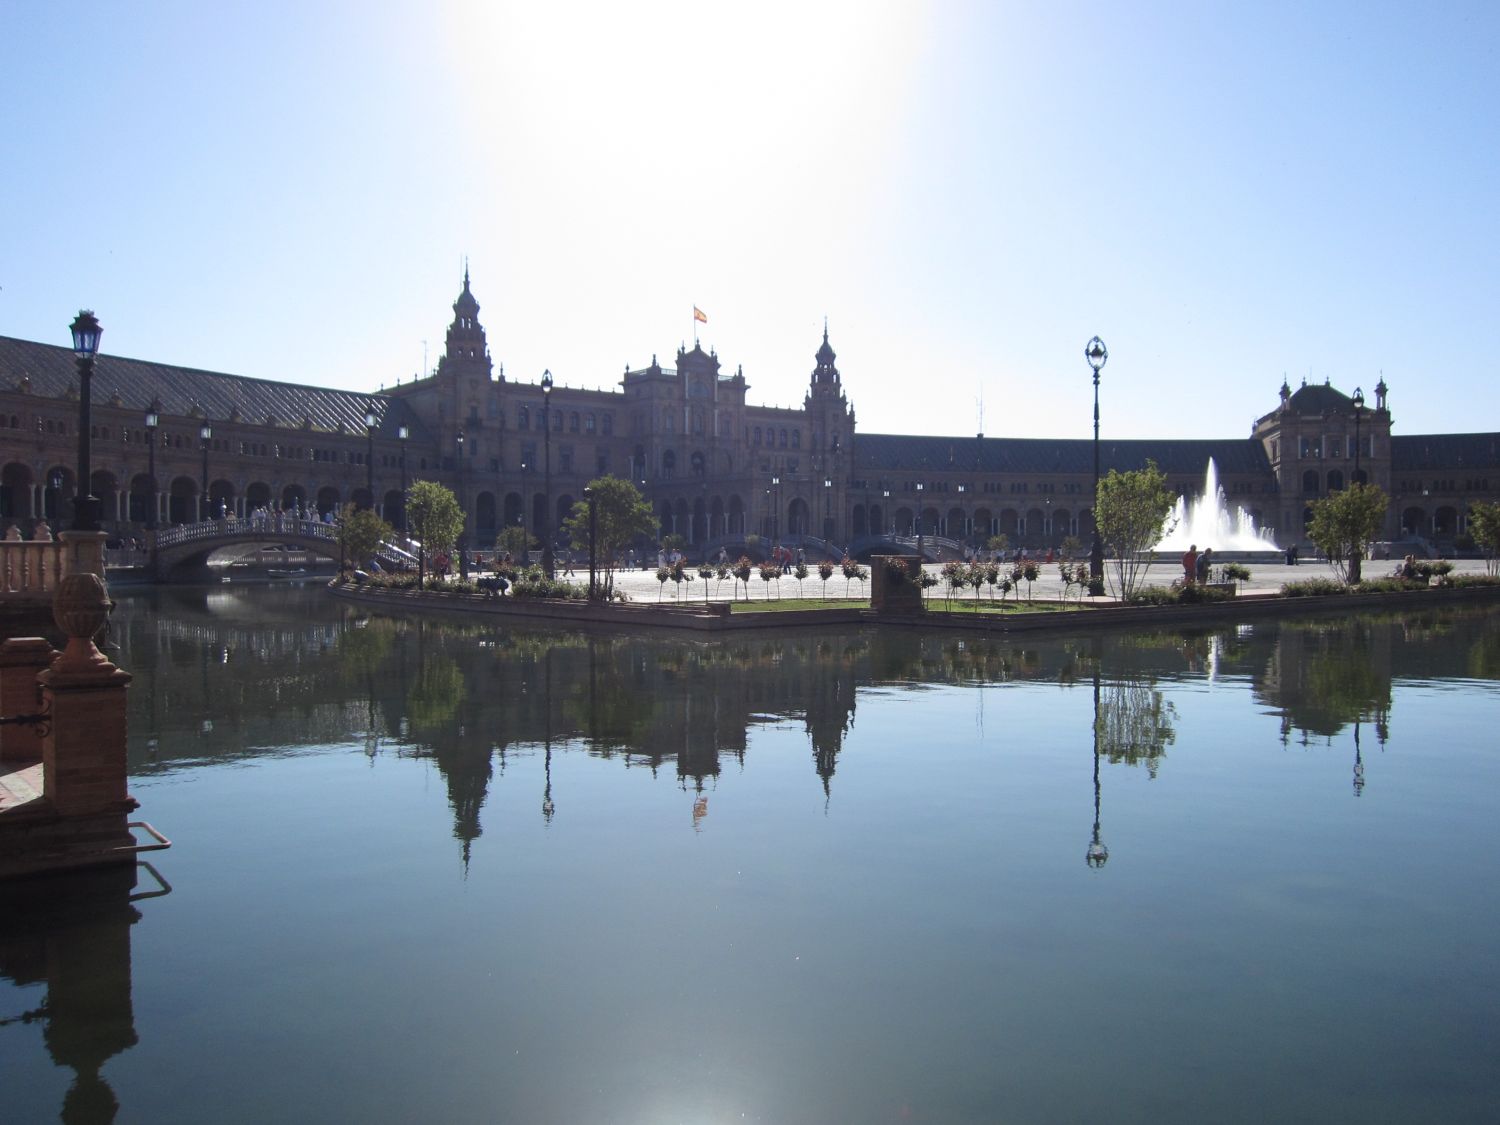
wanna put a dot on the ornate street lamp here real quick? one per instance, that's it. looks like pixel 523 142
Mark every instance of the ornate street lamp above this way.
pixel 775 510
pixel 371 421
pixel 920 559
pixel 86 333
pixel 402 433
pixel 545 531
pixel 1359 409
pixel 593 499
pixel 153 420
pixel 827 509
pixel 463 569
pixel 1097 355
pixel 205 435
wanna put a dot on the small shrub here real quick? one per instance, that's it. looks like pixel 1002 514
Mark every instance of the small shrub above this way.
pixel 1313 588
pixel 1235 572
pixel 1186 595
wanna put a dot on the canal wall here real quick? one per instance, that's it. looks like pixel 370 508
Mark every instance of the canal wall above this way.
pixel 716 617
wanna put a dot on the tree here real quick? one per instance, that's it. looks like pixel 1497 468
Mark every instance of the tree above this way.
pixel 1484 526
pixel 361 533
pixel 1133 513
pixel 1344 524
pixel 620 514
pixel 435 520
pixel 516 542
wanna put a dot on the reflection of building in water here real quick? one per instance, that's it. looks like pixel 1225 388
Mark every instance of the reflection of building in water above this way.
pixel 72 934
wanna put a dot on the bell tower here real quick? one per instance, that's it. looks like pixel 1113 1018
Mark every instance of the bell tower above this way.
pixel 831 420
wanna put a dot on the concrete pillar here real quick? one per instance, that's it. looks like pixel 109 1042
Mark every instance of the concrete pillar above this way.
pixel 21 659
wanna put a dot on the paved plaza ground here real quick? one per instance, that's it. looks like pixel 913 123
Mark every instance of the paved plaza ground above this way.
pixel 1265 578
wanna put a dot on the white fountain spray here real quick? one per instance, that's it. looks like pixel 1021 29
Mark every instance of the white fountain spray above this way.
pixel 1208 521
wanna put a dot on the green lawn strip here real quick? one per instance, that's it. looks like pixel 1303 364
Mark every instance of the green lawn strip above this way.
pixel 790 605
pixel 934 605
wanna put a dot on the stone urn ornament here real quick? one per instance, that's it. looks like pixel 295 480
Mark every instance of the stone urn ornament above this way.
pixel 80 608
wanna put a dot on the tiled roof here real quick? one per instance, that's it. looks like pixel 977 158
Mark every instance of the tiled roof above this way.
pixel 902 452
pixel 1320 398
pixel 1411 452
pixel 53 370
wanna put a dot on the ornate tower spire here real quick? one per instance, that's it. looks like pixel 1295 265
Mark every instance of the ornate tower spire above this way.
pixel 466 351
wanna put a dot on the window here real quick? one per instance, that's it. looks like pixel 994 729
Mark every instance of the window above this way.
pixel 796 439
pixel 757 435
pixel 609 424
pixel 588 423
pixel 783 439
pixel 523 418
pixel 573 422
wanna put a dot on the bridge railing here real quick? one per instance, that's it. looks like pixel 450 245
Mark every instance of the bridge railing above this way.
pixel 278 523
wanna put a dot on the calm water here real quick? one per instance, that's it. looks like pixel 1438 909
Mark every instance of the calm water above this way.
pixel 438 872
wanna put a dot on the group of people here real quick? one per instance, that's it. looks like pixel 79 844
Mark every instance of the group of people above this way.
pixel 1196 567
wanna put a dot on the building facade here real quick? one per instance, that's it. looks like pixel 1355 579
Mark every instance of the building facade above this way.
pixel 715 466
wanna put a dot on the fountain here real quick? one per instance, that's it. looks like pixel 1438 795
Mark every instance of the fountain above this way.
pixel 1207 521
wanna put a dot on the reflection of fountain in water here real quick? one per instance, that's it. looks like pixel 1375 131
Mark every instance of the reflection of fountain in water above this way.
pixel 1207 521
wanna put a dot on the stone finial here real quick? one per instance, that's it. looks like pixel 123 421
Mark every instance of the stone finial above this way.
pixel 12 533
pixel 42 533
pixel 80 608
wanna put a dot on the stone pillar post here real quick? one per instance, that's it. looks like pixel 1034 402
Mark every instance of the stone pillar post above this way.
pixel 83 752
pixel 893 585
pixel 21 658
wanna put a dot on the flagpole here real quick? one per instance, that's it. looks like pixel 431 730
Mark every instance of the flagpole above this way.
pixel 695 326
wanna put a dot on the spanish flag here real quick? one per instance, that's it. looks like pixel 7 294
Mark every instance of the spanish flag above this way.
pixel 698 315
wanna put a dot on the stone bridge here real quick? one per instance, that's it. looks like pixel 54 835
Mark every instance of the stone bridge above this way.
pixel 191 543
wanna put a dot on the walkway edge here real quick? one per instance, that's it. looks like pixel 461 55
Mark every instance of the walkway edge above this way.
pixel 714 618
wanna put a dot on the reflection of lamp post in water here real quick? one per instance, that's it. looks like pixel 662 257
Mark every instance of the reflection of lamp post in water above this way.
pixel 1098 854
pixel 1359 764
pixel 548 808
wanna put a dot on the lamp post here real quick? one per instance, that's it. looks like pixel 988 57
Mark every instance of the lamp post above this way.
pixel 371 421
pixel 775 495
pixel 827 508
pixel 463 568
pixel 205 435
pixel 153 419
pixel 402 433
pixel 1359 409
pixel 920 559
pixel 589 495
pixel 546 529
pixel 1097 355
pixel 86 332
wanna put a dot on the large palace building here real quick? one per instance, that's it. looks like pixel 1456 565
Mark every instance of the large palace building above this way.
pixel 714 466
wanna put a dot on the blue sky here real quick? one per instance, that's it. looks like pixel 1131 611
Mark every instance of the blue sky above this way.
pixel 1225 193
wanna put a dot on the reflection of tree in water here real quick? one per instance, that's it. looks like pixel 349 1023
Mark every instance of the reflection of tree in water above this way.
pixel 1135 723
pixel 1328 674
pixel 1484 653
pixel 1133 719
